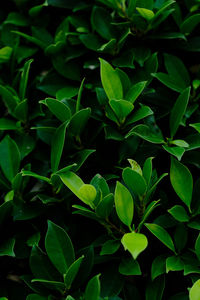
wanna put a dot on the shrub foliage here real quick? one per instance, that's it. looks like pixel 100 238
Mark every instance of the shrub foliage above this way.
pixel 99 150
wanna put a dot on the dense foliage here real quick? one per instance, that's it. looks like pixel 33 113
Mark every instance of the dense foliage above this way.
pixel 99 150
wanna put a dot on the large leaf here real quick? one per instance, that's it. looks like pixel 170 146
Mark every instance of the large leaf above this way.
pixel 72 272
pixel 124 204
pixel 134 181
pixel 135 91
pixel 111 81
pixel 195 291
pixel 59 109
pixel 101 22
pixel 181 180
pixel 59 247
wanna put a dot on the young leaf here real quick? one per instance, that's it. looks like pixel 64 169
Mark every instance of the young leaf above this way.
pixel 92 291
pixel 162 235
pixel 59 247
pixel 9 157
pixel 72 181
pixel 57 146
pixel 124 204
pixel 110 247
pixel 181 180
pixel 147 169
pixel 147 14
pixel 24 79
pixel 122 108
pixel 143 112
pixel 111 81
pixel 179 110
pixel 176 151
pixel 196 126
pixel 87 193
pixel 195 291
pixel 135 243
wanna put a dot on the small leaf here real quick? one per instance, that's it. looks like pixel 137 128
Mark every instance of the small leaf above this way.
pixel 92 291
pixel 135 243
pixel 57 146
pixel 181 180
pixel 162 235
pixel 78 121
pixel 134 181
pixel 147 169
pixel 24 79
pixel 105 206
pixel 143 112
pixel 158 266
pixel 9 99
pixel 7 248
pixel 176 151
pixel 135 166
pixel 111 81
pixel 122 108
pixel 174 263
pixel 5 54
pixel 32 174
pixel 129 266
pixel 195 291
pixel 135 91
pixel 72 272
pixel 110 247
pixel 59 247
pixel 169 82
pixel 179 110
pixel 7 124
pixel 147 14
pixel 124 204
pixel 197 247
pixel 179 213
pixel 53 285
pixel 196 126
pixel 88 193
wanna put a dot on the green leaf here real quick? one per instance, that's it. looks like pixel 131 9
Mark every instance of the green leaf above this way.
pixel 147 14
pixel 21 110
pixel 195 291
pixel 7 124
pixel 53 285
pixel 87 193
pixel 92 291
pixel 135 166
pixel 155 289
pixel 7 248
pixel 196 126
pixel 34 297
pixel 158 266
pixel 147 169
pixel 190 23
pixel 197 247
pixel 32 174
pixel 179 213
pixel 59 109
pixel 24 79
pixel 72 272
pixel 105 206
pixel 143 112
pixel 8 98
pixel 162 235
pixel 111 81
pixel 72 181
pixel 59 247
pixel 178 111
pixel 124 204
pixel 135 91
pixel 176 151
pixel 134 181
pixel 169 82
pixel 101 22
pixel 144 132
pixel 181 180
pixel 129 266
pixel 110 247
pixel 177 70
pixel 57 146
pixel 9 158
pixel 174 263
pixel 67 92
pixel 17 19
pixel 31 39
pixel 135 243
pixel 5 54
pixel 78 121
pixel 122 108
